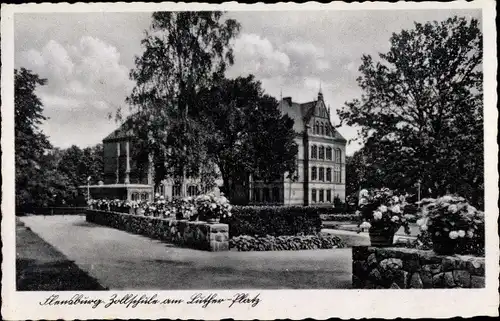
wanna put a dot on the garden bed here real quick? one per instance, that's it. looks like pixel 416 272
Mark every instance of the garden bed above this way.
pixel 285 243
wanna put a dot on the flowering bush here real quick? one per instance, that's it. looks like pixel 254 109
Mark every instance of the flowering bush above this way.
pixel 452 218
pixel 383 209
pixel 202 207
pixel 211 207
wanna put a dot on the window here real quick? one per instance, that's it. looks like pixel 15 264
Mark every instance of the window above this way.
pixel 135 197
pixel 327 130
pixel 192 190
pixel 176 190
pixel 313 195
pixel 276 195
pixel 322 152
pixel 322 129
pixel 328 174
pixel 321 196
pixel 316 128
pixel 321 174
pixel 329 153
pixel 338 155
pixel 314 174
pixel 266 197
pixel 314 151
pixel 336 176
pixel 256 194
pixel 328 196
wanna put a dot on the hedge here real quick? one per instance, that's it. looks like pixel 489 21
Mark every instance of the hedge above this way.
pixel 285 243
pixel 275 221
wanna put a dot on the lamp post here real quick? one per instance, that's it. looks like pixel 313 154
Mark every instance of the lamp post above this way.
pixel 88 188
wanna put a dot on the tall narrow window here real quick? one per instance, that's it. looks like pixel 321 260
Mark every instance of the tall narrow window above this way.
pixel 321 174
pixel 276 195
pixel 314 152
pixel 328 174
pixel 256 195
pixel 314 173
pixel 321 196
pixel 321 152
pixel 338 155
pixel 313 195
pixel 328 196
pixel 329 153
pixel 266 194
pixel 327 130
pixel 316 128
pixel 336 176
pixel 322 129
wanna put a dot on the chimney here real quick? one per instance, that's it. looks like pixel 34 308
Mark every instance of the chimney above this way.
pixel 288 100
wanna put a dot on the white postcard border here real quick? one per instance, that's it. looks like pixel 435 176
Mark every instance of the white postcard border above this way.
pixel 293 304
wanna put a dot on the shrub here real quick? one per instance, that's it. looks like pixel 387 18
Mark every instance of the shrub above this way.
pixel 451 217
pixel 270 220
pixel 285 243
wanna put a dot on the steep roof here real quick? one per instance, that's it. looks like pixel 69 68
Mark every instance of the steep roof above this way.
pixel 301 113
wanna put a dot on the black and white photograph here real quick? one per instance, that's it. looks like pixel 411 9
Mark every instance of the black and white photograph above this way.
pixel 215 149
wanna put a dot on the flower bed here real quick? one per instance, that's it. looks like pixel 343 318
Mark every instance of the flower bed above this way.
pixel 276 221
pixel 285 243
pixel 202 207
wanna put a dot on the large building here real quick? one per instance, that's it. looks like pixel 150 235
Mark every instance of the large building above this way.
pixel 320 176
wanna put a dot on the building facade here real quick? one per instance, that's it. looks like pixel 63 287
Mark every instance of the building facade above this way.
pixel 320 177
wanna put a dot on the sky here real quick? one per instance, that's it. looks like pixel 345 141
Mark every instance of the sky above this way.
pixel 86 58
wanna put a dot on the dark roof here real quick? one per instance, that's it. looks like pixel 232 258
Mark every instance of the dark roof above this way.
pixel 301 114
pixel 123 132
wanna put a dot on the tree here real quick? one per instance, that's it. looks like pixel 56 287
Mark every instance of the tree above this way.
pixel 248 134
pixel 77 165
pixel 421 114
pixel 183 52
pixel 30 142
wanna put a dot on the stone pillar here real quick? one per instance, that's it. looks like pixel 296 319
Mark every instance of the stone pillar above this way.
pixel 127 170
pixel 118 162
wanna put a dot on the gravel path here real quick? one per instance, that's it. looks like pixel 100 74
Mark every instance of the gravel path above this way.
pixel 120 260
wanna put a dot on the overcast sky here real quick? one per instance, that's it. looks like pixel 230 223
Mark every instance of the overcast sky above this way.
pixel 87 57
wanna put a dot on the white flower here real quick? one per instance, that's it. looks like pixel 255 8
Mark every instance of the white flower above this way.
pixel 157 195
pixel 402 199
pixel 471 210
pixel 395 218
pixel 423 227
pixel 470 234
pixel 214 206
pixel 453 235
pixel 363 201
pixel 365 225
pixel 396 209
pixel 229 214
pixel 383 208
pixel 446 198
pixel 363 193
pixel 395 199
pixel 461 233
pixel 421 221
pixel 377 215
pixel 453 208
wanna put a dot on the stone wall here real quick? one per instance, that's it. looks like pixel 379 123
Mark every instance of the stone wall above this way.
pixel 197 235
pixel 403 268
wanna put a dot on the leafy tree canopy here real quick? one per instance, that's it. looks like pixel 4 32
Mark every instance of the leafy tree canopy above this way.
pixel 183 52
pixel 421 114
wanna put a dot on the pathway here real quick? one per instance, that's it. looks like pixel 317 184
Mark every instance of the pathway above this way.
pixel 120 260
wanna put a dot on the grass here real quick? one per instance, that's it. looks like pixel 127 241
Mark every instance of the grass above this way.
pixel 40 267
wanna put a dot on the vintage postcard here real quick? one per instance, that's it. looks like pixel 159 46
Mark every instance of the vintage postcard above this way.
pixel 291 161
